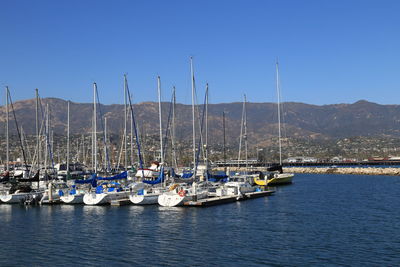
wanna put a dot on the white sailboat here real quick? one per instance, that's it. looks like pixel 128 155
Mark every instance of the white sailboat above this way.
pixel 20 192
pixel 150 194
pixel 183 193
pixel 279 177
pixel 107 192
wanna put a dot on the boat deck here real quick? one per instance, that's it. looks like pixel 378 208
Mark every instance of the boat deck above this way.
pixel 227 199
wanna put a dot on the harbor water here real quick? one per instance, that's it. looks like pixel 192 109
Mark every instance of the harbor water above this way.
pixel 318 220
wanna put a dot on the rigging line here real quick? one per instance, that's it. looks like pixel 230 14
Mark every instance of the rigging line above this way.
pixel 16 124
pixel 201 131
pixel 167 129
pixel 102 128
pixel 134 126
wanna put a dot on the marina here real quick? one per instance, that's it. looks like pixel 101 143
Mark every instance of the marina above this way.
pixel 200 133
pixel 306 218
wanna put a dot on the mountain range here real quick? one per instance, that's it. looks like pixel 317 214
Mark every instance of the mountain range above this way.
pixel 300 120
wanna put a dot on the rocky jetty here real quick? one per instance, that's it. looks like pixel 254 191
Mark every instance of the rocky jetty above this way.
pixel 345 170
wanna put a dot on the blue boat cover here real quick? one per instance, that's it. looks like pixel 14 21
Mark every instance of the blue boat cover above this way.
pixel 91 180
pixel 160 178
pixel 122 175
pixel 187 175
pixel 217 177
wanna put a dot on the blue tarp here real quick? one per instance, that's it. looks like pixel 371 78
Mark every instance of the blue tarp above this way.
pixel 187 175
pixel 122 175
pixel 92 180
pixel 217 177
pixel 160 178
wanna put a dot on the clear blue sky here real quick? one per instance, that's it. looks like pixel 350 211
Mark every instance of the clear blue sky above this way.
pixel 330 51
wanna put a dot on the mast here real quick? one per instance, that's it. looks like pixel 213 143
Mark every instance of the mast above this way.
pixel 160 117
pixel 94 128
pixel 125 126
pixel 245 131
pixel 241 132
pixel 47 139
pixel 37 129
pixel 68 140
pixel 173 128
pixel 206 152
pixel 105 145
pixel 279 112
pixel 131 141
pixel 193 115
pixel 223 126
pixel 7 132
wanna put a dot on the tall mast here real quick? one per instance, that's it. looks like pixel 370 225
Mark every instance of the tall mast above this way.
pixel 105 145
pixel 193 115
pixel 245 131
pixel 173 128
pixel 94 128
pixel 279 112
pixel 7 130
pixel 37 129
pixel 47 138
pixel 68 140
pixel 125 125
pixel 206 152
pixel 131 140
pixel 223 126
pixel 160 115
pixel 241 131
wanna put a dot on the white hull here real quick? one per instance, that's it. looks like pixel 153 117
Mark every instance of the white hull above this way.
pixel 72 199
pixel 147 199
pixel 172 199
pixel 103 198
pixel 14 198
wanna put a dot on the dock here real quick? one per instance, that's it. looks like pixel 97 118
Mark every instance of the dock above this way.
pixel 121 202
pixel 227 199
pixel 258 194
pixel 212 201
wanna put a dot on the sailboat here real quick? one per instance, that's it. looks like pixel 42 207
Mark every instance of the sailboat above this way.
pixel 149 194
pixel 110 190
pixel 21 190
pixel 182 193
pixel 240 184
pixel 276 176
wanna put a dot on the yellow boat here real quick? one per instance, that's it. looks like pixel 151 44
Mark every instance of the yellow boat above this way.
pixel 276 179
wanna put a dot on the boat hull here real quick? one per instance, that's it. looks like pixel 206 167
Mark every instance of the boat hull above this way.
pixel 147 199
pixel 173 199
pixel 281 179
pixel 72 199
pixel 103 198
pixel 16 198
pixel 13 198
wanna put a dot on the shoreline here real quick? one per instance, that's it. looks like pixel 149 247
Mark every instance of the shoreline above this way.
pixel 346 170
pixel 390 171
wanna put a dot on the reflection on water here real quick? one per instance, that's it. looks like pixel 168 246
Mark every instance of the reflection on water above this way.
pixel 319 220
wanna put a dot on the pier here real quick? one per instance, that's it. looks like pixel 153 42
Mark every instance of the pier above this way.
pixel 227 199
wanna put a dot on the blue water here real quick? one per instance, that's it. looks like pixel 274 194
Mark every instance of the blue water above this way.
pixel 318 220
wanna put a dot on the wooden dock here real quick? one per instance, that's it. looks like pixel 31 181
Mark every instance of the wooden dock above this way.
pixel 212 201
pixel 121 202
pixel 258 194
pixel 227 199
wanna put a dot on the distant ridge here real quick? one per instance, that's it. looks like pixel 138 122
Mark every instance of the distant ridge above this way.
pixel 361 118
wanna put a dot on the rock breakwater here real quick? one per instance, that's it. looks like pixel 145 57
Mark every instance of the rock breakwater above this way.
pixel 345 170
